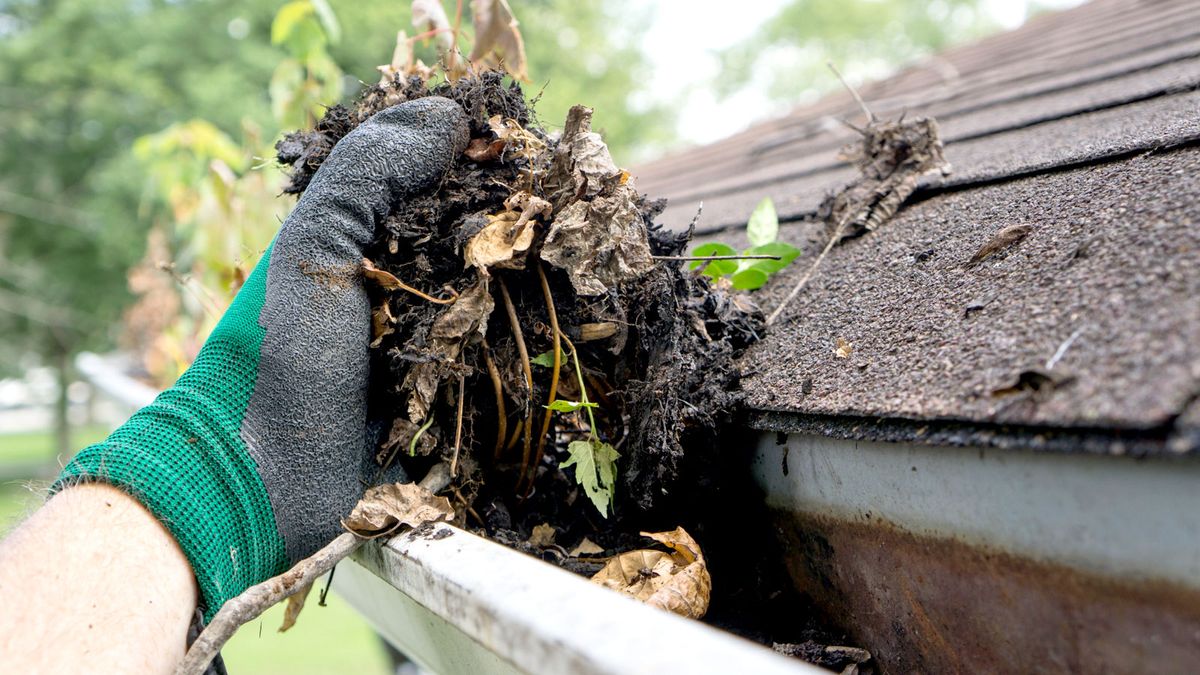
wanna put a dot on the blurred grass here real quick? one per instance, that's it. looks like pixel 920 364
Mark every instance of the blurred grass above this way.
pixel 330 639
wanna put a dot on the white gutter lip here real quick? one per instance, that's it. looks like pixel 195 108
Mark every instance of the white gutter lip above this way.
pixel 536 617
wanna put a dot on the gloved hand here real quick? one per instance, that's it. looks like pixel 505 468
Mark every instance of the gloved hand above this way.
pixel 260 448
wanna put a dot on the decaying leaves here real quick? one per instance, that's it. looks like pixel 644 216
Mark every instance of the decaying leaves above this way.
pixel 498 42
pixel 677 581
pixel 598 235
pixel 381 323
pixel 542 535
pixel 295 604
pixel 586 547
pixel 891 158
pixel 400 438
pixel 843 348
pixel 505 241
pixel 1001 240
pixel 384 509
pixel 464 321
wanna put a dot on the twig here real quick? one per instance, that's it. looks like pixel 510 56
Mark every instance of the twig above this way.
pixel 253 601
pixel 1062 349
pixel 541 444
pixel 807 275
pixel 498 388
pixel 705 258
pixel 853 92
pixel 524 353
pixel 458 428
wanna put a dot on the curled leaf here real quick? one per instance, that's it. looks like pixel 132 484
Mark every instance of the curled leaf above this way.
pixel 504 242
pixel 497 39
pixel 384 509
pixel 564 406
pixel 542 535
pixel 677 581
pixel 295 604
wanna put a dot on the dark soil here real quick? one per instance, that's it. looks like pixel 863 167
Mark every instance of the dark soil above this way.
pixel 665 381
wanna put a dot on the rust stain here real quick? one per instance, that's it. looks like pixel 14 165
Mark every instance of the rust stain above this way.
pixel 926 605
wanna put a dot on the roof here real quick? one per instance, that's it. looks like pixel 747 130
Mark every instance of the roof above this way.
pixel 1083 125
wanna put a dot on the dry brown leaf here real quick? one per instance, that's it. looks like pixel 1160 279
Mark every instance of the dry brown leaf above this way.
pixel 295 604
pixel 598 235
pixel 586 547
pixel 381 323
pixel 386 508
pixel 1000 241
pixel 843 348
pixel 400 438
pixel 497 38
pixel 677 581
pixel 483 150
pixel 464 321
pixel 386 280
pixel 542 535
pixel 505 240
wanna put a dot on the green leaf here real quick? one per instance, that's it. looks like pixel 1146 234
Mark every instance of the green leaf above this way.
pixel 545 359
pixel 595 470
pixel 763 227
pixel 565 406
pixel 288 18
pixel 328 20
pixel 749 279
pixel 716 268
pixel 786 252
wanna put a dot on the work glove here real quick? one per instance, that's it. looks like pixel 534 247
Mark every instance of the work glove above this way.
pixel 261 447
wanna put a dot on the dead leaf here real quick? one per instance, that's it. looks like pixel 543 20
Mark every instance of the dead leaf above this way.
pixel 384 509
pixel 1002 240
pixel 295 604
pixel 586 547
pixel 542 535
pixel 844 349
pixel 598 235
pixel 504 242
pixel 386 280
pixel 483 150
pixel 677 581
pixel 892 157
pixel 461 323
pixel 381 323
pixel 497 38
pixel 400 438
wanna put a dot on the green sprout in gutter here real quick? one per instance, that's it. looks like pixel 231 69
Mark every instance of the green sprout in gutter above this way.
pixel 748 275
pixel 595 461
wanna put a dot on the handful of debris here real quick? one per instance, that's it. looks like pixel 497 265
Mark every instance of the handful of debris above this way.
pixel 525 331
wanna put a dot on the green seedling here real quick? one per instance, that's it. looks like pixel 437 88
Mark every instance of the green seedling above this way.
pixel 748 275
pixel 595 461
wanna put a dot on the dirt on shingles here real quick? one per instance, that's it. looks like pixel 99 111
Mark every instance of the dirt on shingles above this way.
pixel 662 374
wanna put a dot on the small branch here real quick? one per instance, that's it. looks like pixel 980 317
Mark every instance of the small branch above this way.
pixel 707 258
pixel 458 428
pixel 1062 349
pixel 803 280
pixel 259 598
pixel 519 336
pixel 554 374
pixel 498 388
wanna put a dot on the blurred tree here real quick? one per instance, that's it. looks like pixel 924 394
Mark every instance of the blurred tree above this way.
pixel 865 38
pixel 82 80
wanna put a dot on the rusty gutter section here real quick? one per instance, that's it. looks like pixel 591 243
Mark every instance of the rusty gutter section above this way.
pixel 988 560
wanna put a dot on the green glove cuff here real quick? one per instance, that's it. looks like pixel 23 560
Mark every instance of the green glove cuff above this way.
pixel 184 458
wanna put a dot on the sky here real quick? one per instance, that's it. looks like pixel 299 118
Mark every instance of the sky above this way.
pixel 685 35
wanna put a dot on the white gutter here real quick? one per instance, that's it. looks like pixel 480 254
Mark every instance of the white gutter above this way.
pixel 1123 517
pixel 108 376
pixel 457 603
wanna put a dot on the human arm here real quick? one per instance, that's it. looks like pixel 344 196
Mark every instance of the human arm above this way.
pixel 259 449
pixel 93 582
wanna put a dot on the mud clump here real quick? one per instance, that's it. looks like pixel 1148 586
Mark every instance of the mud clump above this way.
pixel 534 241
